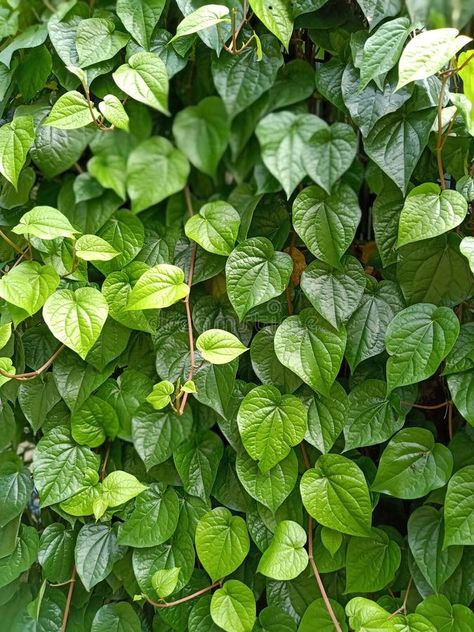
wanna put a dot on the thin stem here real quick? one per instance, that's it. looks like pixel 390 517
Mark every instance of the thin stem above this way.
pixel 24 377
pixel 426 406
pixel 68 600
pixel 10 242
pixel 170 604
pixel 450 420
pixel 236 34
pixel 306 460
pixel 103 469
pixel 439 139
pixel 403 607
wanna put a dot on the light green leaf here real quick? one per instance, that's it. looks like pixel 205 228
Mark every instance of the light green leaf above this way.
pixel 118 616
pixel 215 227
pixel 7 366
pixel 255 273
pixel 461 388
pixel 467 248
pixel 444 616
pixel 94 248
pixel 428 212
pixel 158 287
pixel 126 234
pixel 266 365
pixel 111 107
pixel 222 542
pixel 96 553
pixel 233 607
pixel 310 347
pixel 140 18
pixel 219 347
pixel 97 40
pixel 44 222
pixel 286 556
pixel 276 16
pixel 327 223
pixel 5 334
pixel 372 562
pixel 382 49
pixel 120 487
pixel 164 581
pixel 202 133
pixel 144 78
pixel 317 614
pixel 160 396
pixel 428 52
pixel 16 138
pixel 418 339
pixel 33 36
pixel 283 137
pixel 76 318
pixel 204 17
pixel 70 111
pixel 459 508
pixel 270 424
pixel 155 154
pixel 412 465
pixel 28 285
pixel 335 493
pixel 108 170
pixel 367 616
pixel 329 153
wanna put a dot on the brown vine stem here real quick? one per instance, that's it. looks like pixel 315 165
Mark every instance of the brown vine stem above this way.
pixel 403 607
pixel 450 420
pixel 23 377
pixel 189 205
pixel 11 243
pixel 426 406
pixel 439 139
pixel 312 562
pixel 103 469
pixel 68 600
pixel 170 604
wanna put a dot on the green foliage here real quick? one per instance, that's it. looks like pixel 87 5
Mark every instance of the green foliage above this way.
pixel 236 316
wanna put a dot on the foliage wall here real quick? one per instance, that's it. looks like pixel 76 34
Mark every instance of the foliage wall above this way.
pixel 236 328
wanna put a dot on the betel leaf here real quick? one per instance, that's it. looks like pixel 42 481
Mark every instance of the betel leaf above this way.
pixel 94 248
pixel 71 111
pixel 276 16
pixel 93 422
pixel 144 78
pixel 140 18
pixel 270 424
pixel 160 396
pixel 429 212
pixel 29 285
pixel 164 581
pixel 317 614
pixel 326 416
pixel 233 607
pixel 119 616
pixel 444 616
pixel 266 365
pixel 219 347
pixel 412 465
pixel 202 18
pixel 222 542
pixel 16 139
pixel 310 347
pixel 459 509
pixel 467 248
pixel 197 461
pixel 335 493
pixel 96 552
pixel 76 318
pixel 22 557
pixel 367 616
pixel 418 339
pixel 45 222
pixel 111 107
pixel 327 223
pixel 158 287
pixel 56 552
pixel 15 489
pixel 377 10
pixel 255 273
pixel 215 228
pixel 286 556
pixel 97 40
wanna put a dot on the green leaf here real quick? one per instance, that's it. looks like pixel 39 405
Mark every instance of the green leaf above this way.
pixel 15 492
pixel 59 466
pixel 444 616
pixel 266 365
pixel 153 519
pixel 460 386
pixel 37 398
pixel 372 562
pixel 70 111
pixel 316 614
pixel 140 18
pixel 270 488
pixel 335 493
pixel 164 581
pixel 28 285
pixel 327 223
pixel 233 607
pixel 222 542
pixel 144 78
pixel 270 424
pixel 372 415
pixel 56 552
pixel 33 36
pixel 23 556
pixel 126 234
pixel 467 248
pixel 428 53
pixel 197 460
pixel 459 508
pixel 218 346
pixel 215 227
pixel 286 556
pixel 255 273
pixel 334 293
pixel 93 248
pixel 311 348
pixel 5 334
pixel 108 170
pixel 329 153
pixel 377 10
pixel 96 553
pixel 204 17
pixel 418 339
pixel 326 416
pixel 7 366
pixel 276 16
pixel 44 222
pixel 159 287
pixel 412 465
pixel 97 40
pixel 428 212
pixel 154 154
pixel 367 616
pixel 117 616
pixel 113 110
pixel 16 139
pixel 160 396
pixel 425 538
pixel 202 133
pixel 76 318
pixel 120 487
pixel 283 137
